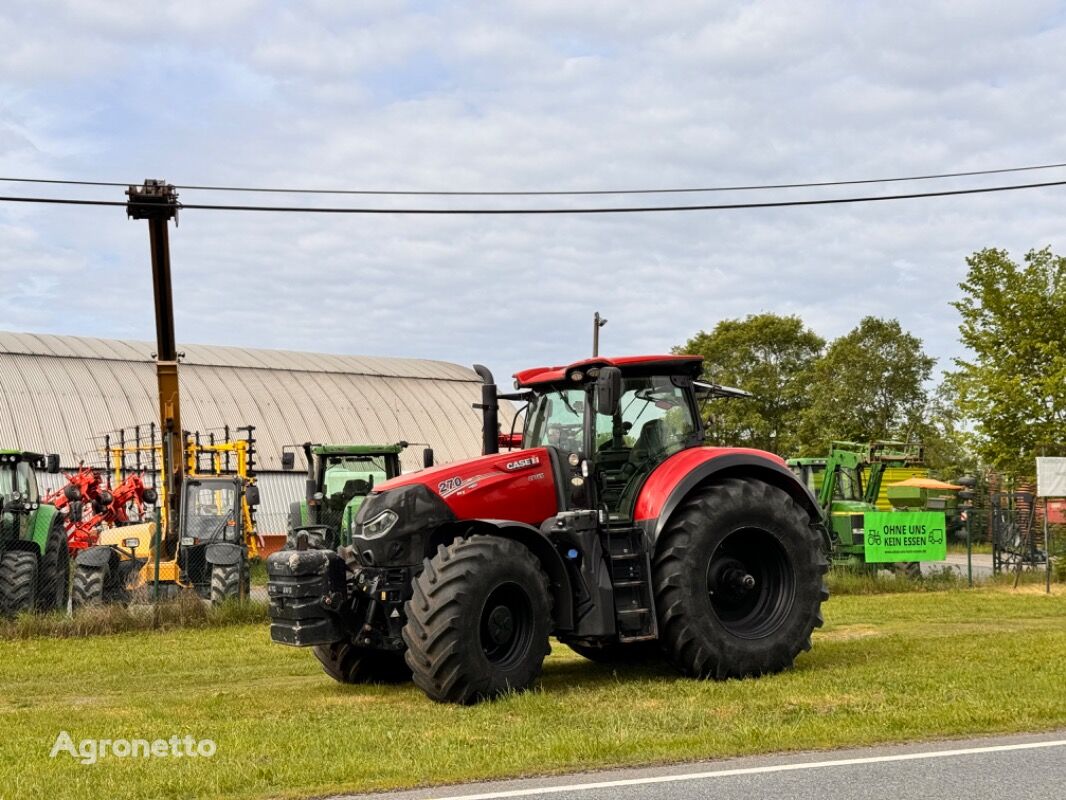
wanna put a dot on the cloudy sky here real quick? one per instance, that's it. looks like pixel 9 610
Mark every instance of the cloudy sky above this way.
pixel 552 94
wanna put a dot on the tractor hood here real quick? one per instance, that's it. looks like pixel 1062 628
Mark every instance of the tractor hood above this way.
pixel 396 522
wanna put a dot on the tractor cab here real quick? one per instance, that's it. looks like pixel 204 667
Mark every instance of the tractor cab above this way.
pixel 621 422
pixel 20 495
pixel 212 517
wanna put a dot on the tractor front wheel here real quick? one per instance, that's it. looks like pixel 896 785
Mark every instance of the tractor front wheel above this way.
pixel 53 587
pixel 478 623
pixel 347 663
pixel 90 585
pixel 228 582
pixel 18 582
pixel 738 581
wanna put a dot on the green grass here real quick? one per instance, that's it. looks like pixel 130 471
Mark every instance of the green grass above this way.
pixel 885 668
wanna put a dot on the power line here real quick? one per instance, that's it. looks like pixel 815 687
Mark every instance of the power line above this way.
pixel 542 211
pixel 558 193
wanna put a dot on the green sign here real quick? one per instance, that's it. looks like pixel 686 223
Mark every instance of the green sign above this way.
pixel 904 536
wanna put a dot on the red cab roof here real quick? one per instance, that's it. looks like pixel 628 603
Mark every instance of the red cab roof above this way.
pixel 671 364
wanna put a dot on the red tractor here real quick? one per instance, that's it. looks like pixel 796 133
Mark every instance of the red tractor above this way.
pixel 615 530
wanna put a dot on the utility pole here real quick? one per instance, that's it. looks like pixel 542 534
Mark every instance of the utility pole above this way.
pixel 157 202
pixel 597 323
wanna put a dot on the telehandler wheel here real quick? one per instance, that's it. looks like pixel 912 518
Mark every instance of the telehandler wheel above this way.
pixel 478 623
pixel 738 581
pixel 346 663
pixel 228 582
pixel 90 585
pixel 617 654
pixel 18 582
pixel 53 586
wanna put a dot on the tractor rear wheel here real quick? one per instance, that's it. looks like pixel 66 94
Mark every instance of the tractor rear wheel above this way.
pixel 90 585
pixel 347 663
pixel 738 581
pixel 478 623
pixel 617 654
pixel 18 582
pixel 228 582
pixel 53 587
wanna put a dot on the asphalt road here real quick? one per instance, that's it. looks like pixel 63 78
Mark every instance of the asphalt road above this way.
pixel 1029 766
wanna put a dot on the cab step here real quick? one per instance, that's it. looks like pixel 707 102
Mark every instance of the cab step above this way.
pixel 634 601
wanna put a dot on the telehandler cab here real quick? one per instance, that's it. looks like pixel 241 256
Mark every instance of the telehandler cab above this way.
pixel 613 528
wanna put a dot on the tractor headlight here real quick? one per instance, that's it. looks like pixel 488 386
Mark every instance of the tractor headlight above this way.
pixel 380 525
pixel 133 544
pixel 189 541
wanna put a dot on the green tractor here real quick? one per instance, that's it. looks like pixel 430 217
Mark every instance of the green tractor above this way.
pixel 848 483
pixel 339 479
pixel 34 559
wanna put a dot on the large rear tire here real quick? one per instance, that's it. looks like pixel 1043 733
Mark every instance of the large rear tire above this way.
pixel 738 581
pixel 478 623
pixel 18 582
pixel 53 587
pixel 347 663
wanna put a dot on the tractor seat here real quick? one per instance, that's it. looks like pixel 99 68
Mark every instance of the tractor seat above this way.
pixel 650 441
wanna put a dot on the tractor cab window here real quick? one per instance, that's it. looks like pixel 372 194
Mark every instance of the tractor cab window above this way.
pixel 211 511
pixel 654 420
pixel 556 419
pixel 353 475
pixel 848 484
pixel 346 478
pixel 26 482
pixel 7 480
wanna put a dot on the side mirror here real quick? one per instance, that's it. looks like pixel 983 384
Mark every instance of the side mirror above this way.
pixel 427 458
pixel 288 460
pixel 51 463
pixel 251 494
pixel 608 390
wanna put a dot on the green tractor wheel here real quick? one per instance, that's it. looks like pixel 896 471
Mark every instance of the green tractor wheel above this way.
pixel 18 582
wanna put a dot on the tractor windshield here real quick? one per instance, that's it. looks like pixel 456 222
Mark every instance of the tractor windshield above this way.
pixel 211 511
pixel 352 474
pixel 556 419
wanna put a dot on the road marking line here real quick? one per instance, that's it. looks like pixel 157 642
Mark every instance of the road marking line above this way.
pixel 721 773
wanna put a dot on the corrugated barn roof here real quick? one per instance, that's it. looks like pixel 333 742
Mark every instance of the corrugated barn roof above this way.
pixel 57 393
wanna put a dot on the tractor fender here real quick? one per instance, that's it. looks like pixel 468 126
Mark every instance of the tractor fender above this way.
pixel 224 554
pixel 40 525
pixel 673 480
pixel 550 560
pixel 97 556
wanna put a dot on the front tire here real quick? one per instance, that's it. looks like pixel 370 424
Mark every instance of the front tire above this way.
pixel 18 582
pixel 228 582
pixel 347 663
pixel 478 623
pixel 738 581
pixel 90 586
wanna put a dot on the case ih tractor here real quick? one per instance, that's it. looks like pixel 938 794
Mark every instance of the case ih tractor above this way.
pixel 613 528
pixel 34 561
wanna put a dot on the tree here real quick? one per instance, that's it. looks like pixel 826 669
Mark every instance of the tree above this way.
pixel 1013 385
pixel 769 356
pixel 869 385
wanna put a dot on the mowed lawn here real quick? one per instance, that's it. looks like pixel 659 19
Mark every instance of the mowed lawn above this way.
pixel 884 668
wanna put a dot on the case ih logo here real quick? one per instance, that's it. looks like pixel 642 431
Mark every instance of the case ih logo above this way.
pixel 522 463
